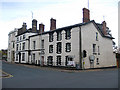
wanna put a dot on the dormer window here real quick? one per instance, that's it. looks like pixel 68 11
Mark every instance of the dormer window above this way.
pixel 59 36
pixel 68 34
pixel 24 36
pixel 50 37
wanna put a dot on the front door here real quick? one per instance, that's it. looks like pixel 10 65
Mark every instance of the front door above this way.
pixel 19 57
pixel 13 56
pixel 42 60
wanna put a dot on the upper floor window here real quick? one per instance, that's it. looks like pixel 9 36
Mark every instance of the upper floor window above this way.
pixel 59 47
pixel 20 46
pixel 24 36
pixel 34 44
pixel 98 50
pixel 59 36
pixel 23 46
pixel 94 48
pixel 51 49
pixel 96 36
pixel 50 37
pixel 42 44
pixel 17 38
pixel 68 34
pixel 13 44
pixel 20 37
pixel 17 47
pixel 68 47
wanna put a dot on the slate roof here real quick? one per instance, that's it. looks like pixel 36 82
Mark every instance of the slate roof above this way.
pixel 97 25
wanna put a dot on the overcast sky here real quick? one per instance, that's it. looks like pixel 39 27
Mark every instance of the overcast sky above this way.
pixel 67 12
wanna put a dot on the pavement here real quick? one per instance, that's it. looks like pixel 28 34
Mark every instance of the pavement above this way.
pixel 63 69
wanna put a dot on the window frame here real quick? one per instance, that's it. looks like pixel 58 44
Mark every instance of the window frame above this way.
pixel 34 45
pixel 50 60
pixel 58 60
pixel 50 48
pixel 42 43
pixel 23 48
pixel 51 37
pixel 94 49
pixel 68 34
pixel 59 47
pixel 68 45
pixel 96 36
pixel 59 35
pixel 23 56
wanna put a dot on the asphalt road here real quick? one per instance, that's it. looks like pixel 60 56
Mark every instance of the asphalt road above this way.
pixel 26 77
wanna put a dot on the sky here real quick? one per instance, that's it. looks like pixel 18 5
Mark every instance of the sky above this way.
pixel 66 12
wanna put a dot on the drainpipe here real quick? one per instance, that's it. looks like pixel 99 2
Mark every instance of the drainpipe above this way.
pixel 80 48
pixel 28 49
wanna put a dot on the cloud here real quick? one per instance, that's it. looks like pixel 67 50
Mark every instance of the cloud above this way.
pixel 66 12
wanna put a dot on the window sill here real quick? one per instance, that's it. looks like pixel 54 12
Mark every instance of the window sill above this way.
pixel 95 53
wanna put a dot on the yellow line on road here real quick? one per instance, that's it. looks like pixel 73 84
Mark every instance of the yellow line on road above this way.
pixel 6 74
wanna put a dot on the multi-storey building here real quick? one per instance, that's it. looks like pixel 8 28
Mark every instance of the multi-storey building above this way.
pixel 22 42
pixel 83 45
pixel 11 45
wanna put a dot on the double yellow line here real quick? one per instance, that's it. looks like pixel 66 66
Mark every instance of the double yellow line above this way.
pixel 6 74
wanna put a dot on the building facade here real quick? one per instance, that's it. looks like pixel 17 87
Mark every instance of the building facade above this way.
pixel 22 42
pixel 11 45
pixel 84 45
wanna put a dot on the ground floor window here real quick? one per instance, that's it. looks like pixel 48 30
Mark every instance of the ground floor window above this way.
pixel 33 58
pixel 23 56
pixel 50 60
pixel 69 61
pixel 16 57
pixel 58 60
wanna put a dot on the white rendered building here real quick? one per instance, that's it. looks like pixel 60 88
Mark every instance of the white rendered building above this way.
pixel 11 45
pixel 84 45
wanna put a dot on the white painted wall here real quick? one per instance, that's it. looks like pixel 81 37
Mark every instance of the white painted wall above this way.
pixel 74 46
pixel 26 40
pixel 106 57
pixel 11 41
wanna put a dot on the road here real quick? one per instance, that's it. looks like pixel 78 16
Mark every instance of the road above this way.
pixel 26 77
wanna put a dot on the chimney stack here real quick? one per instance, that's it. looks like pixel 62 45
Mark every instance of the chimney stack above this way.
pixel 86 15
pixel 34 25
pixel 104 28
pixel 52 24
pixel 41 28
pixel 24 26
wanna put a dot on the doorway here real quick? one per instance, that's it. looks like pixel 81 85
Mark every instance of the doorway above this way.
pixel 42 60
pixel 19 57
